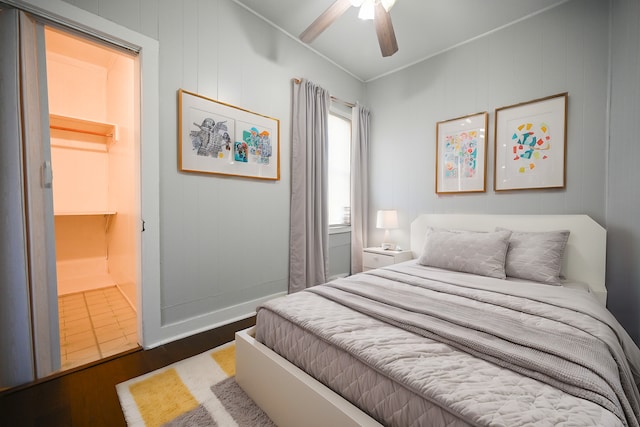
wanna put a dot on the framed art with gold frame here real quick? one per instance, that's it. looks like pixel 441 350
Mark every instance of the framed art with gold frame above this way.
pixel 219 138
pixel 530 144
pixel 461 154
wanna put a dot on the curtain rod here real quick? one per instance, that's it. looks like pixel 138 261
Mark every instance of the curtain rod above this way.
pixel 333 98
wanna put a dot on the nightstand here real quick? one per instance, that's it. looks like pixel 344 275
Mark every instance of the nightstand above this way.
pixel 378 257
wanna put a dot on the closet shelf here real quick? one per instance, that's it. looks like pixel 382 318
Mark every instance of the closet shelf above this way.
pixel 88 127
pixel 108 215
pixel 87 213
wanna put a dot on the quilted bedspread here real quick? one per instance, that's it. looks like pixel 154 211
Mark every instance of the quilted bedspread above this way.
pixel 543 354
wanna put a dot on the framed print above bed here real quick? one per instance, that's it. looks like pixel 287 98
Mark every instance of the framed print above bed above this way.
pixel 530 144
pixel 219 138
pixel 461 148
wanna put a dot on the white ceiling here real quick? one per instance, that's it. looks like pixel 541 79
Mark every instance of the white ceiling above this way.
pixel 423 28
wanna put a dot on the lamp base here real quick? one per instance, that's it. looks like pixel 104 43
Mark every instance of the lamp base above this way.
pixel 388 246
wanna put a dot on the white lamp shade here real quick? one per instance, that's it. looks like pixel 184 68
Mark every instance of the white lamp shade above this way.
pixel 387 219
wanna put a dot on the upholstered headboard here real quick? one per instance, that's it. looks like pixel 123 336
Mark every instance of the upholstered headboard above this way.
pixel 585 253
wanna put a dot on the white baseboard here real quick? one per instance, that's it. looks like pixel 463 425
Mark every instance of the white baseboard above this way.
pixel 178 330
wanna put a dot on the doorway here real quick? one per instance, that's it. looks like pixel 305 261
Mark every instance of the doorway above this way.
pixel 95 193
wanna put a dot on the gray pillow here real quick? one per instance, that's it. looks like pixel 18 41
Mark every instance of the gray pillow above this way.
pixel 468 252
pixel 536 256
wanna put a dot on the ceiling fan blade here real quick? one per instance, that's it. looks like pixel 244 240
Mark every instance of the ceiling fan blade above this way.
pixel 327 17
pixel 384 30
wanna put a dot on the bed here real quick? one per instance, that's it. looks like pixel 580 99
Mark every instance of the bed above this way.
pixel 449 338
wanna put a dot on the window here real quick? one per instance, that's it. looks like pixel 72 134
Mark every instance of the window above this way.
pixel 339 170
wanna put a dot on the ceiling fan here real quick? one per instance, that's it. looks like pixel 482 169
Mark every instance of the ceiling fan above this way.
pixel 378 10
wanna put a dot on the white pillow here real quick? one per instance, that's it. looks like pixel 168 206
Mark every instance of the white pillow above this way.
pixel 536 256
pixel 469 252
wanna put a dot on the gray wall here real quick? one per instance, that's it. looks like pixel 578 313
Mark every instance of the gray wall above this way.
pixel 564 49
pixel 224 241
pixel 623 201
pixel 550 53
pixel 219 50
pixel 339 254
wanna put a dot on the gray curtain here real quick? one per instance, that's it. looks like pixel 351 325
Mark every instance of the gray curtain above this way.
pixel 360 124
pixel 309 230
pixel 29 340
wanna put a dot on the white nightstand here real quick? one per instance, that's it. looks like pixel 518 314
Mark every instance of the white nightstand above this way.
pixel 378 257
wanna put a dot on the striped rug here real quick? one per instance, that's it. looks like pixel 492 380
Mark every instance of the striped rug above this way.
pixel 199 391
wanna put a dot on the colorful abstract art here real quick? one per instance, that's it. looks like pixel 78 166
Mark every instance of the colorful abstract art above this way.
pixel 258 144
pixel 461 154
pixel 531 144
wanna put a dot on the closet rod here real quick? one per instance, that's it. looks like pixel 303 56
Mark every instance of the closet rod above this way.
pixel 333 98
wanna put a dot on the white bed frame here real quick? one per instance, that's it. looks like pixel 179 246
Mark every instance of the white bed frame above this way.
pixel 292 398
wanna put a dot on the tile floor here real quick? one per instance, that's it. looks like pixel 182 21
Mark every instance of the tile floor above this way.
pixel 95 324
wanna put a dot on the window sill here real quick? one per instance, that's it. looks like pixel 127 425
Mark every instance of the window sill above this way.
pixel 339 229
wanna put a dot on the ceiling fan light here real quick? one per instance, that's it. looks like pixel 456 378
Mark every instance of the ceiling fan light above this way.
pixel 356 3
pixel 387 4
pixel 367 10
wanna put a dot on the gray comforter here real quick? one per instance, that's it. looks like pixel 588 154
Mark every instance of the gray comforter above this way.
pixel 595 360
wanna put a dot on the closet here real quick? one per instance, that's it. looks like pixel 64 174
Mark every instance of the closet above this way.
pixel 93 158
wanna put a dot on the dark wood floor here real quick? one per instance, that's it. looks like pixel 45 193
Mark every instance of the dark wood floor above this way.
pixel 87 396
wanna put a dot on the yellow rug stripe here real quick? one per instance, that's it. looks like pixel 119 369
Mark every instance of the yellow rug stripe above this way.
pixel 226 359
pixel 156 398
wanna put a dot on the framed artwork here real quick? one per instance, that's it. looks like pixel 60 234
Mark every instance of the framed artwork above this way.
pixel 530 144
pixel 219 138
pixel 461 154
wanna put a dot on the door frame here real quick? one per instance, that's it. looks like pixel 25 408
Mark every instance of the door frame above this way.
pixel 147 97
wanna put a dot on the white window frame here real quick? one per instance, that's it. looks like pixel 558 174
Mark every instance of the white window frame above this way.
pixel 339 227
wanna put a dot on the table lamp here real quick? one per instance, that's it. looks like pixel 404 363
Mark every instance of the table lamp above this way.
pixel 387 219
